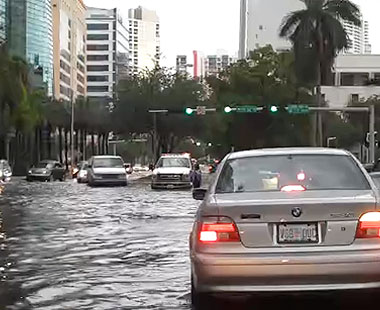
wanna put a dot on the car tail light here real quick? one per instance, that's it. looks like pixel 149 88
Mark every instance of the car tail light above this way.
pixel 219 229
pixel 369 225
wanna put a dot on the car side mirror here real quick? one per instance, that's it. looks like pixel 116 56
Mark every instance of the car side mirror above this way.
pixel 199 193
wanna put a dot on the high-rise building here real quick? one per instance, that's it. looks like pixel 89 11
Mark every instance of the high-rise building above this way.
pixel 3 20
pixel 181 64
pixel 30 36
pixel 199 67
pixel 358 37
pixel 261 20
pixel 144 38
pixel 107 52
pixel 215 64
pixel 69 42
pixel 243 29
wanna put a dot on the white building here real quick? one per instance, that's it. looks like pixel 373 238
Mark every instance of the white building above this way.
pixel 218 63
pixel 261 20
pixel 358 37
pixel 144 38
pixel 352 73
pixel 107 52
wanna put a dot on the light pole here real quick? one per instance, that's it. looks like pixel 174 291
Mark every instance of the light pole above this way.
pixel 72 129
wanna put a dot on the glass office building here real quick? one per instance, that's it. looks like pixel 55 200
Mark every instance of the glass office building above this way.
pixel 30 36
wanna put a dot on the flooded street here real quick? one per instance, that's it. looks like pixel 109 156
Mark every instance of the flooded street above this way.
pixel 68 246
pixel 74 247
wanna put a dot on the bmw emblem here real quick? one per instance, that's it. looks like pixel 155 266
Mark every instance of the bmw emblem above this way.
pixel 296 212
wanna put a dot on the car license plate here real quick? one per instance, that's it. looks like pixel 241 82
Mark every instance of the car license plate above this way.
pixel 298 233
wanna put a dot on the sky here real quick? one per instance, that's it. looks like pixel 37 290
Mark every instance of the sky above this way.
pixel 211 25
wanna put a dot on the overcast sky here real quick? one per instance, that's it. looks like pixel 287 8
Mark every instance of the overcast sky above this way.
pixel 211 25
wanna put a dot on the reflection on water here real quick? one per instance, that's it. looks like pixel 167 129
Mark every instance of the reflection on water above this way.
pixel 76 247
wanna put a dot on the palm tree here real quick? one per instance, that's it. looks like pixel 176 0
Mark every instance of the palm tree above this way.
pixel 317 35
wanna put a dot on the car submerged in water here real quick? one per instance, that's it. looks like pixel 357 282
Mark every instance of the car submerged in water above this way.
pixel 172 171
pixel 286 221
pixel 46 170
pixel 106 170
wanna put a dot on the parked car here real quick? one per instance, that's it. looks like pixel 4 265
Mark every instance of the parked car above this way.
pixel 46 170
pixel 106 170
pixel 286 220
pixel 82 173
pixel 172 171
pixel 5 171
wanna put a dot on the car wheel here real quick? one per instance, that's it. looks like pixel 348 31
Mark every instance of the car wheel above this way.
pixel 51 178
pixel 79 180
pixel 62 179
pixel 200 301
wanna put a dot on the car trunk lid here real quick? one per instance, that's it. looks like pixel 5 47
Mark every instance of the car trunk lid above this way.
pixel 261 217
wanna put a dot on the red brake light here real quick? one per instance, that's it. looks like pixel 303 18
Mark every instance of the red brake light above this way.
pixel 220 230
pixel 293 188
pixel 369 225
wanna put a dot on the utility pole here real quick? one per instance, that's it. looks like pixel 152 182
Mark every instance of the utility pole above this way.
pixel 72 129
pixel 371 111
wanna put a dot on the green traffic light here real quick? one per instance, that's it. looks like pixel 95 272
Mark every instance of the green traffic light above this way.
pixel 227 109
pixel 273 109
pixel 189 111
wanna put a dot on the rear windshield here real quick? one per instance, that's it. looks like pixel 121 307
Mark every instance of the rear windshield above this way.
pixel 108 163
pixel 173 162
pixel 273 173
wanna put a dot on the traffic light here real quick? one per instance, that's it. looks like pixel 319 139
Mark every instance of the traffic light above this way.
pixel 227 110
pixel 189 111
pixel 273 109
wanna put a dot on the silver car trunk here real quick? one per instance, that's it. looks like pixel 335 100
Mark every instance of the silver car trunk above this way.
pixel 259 215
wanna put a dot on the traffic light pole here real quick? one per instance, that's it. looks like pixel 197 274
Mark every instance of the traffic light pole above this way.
pixel 370 110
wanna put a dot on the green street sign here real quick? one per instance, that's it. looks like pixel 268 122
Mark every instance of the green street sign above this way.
pixel 247 109
pixel 298 109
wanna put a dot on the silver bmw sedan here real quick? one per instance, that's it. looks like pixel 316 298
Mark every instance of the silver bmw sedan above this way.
pixel 286 220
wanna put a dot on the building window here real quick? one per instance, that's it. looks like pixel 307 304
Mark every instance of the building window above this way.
pixel 97 57
pixel 64 78
pixel 80 67
pixel 64 90
pixel 97 68
pixel 80 78
pixel 355 98
pixel 136 24
pixel 69 34
pixel 69 23
pixel 64 66
pixel 135 31
pixel 98 37
pixel 97 78
pixel 97 89
pixel 93 47
pixel 97 27
pixel 80 89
